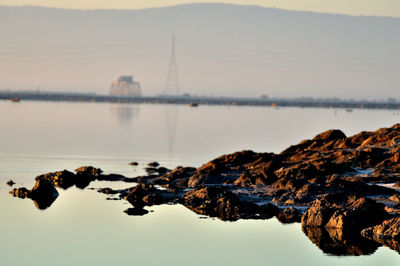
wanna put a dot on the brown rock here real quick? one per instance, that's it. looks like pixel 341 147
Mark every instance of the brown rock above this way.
pixel 20 192
pixel 344 212
pixel 43 193
pixel 88 171
pixel 216 202
pixel 63 179
pixel 329 135
pixel 153 164
pixel 388 229
pixel 289 215
pixel 10 183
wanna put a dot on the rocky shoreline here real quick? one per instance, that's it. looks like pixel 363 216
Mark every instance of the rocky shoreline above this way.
pixel 345 191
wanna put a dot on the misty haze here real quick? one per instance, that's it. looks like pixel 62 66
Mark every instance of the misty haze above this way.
pixel 221 49
pixel 199 134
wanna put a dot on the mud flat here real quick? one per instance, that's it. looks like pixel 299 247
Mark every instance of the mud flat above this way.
pixel 343 190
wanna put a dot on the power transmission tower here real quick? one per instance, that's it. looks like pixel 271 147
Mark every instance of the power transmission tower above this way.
pixel 172 84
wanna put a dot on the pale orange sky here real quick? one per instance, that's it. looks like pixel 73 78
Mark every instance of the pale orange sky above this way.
pixel 351 7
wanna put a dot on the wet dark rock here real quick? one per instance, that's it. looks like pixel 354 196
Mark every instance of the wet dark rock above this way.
pixel 330 135
pixel 10 183
pixel 134 163
pixel 210 173
pixel 259 173
pixel 156 171
pixel 88 171
pixel 179 176
pixel 151 170
pixel 313 168
pixel 248 179
pixel 344 212
pixel 298 148
pixel 63 179
pixel 358 139
pixel 216 202
pixel 289 215
pixel 22 192
pixel 227 168
pixel 84 176
pixel 148 195
pixel 153 164
pixel 162 170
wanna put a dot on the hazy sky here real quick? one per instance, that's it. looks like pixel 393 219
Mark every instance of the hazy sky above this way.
pixel 352 7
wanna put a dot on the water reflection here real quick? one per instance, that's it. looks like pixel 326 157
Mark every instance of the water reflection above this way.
pixel 44 203
pixel 171 118
pixel 136 211
pixel 336 242
pixel 125 113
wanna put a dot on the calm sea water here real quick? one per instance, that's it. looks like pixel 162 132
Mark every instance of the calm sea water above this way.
pixel 82 227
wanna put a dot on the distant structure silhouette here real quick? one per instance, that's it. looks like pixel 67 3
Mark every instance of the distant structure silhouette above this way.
pixel 125 86
pixel 172 84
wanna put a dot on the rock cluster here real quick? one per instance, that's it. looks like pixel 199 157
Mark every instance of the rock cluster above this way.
pixel 331 183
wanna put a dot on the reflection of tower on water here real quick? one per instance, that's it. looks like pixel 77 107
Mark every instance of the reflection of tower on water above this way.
pixel 125 113
pixel 171 115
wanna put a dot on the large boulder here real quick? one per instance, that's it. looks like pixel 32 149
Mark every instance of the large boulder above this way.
pixel 344 212
pixel 63 179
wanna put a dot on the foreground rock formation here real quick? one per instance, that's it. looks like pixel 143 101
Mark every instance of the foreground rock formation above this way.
pixel 344 190
pixel 43 193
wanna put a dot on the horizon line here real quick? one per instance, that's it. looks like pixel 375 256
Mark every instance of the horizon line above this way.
pixel 200 3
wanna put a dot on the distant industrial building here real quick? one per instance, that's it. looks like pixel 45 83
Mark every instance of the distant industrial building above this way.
pixel 125 86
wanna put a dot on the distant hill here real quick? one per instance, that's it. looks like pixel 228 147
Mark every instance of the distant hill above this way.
pixel 221 50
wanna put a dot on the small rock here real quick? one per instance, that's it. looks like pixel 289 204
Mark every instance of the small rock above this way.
pixel 10 183
pixel 153 164
pixel 88 171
